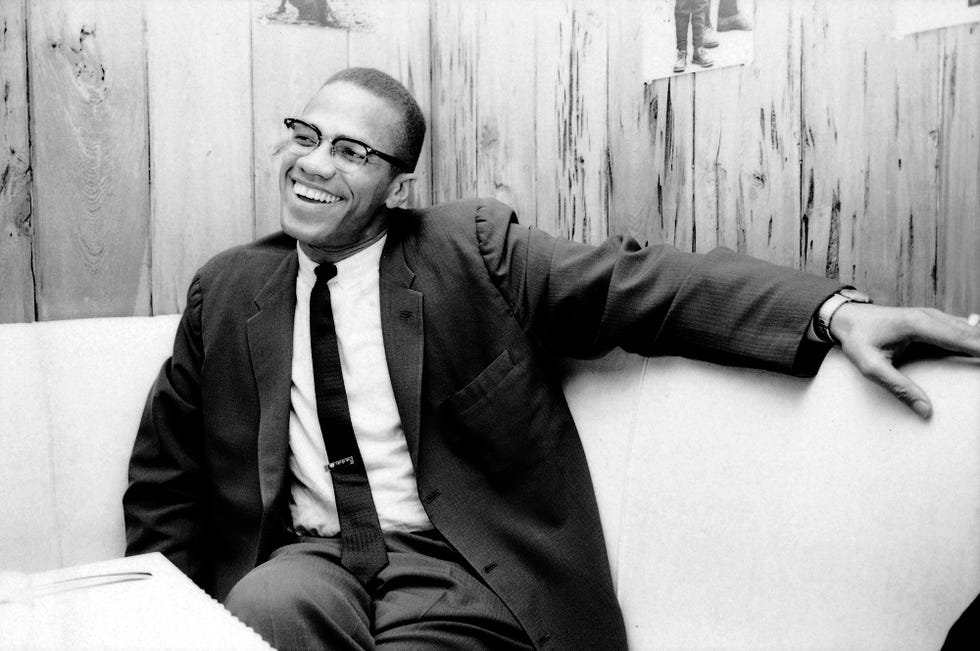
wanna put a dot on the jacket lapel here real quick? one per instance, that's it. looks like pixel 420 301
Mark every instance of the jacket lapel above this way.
pixel 270 344
pixel 401 325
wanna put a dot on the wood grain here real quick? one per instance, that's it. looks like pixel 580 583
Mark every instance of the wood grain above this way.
pixel 959 205
pixel 289 63
pixel 831 142
pixel 91 210
pixel 455 113
pixel 747 158
pixel 398 43
pixel 918 132
pixel 505 95
pixel 634 111
pixel 570 128
pixel 841 149
pixel 841 228
pixel 674 144
pixel 16 234
pixel 200 108
pixel 651 138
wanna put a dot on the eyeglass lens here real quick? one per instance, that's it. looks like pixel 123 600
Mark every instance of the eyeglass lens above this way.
pixel 348 153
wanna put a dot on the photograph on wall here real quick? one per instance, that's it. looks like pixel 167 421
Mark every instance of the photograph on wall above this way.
pixel 340 14
pixel 912 16
pixel 685 36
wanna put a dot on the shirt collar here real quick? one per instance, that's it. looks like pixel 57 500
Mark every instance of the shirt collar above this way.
pixel 349 270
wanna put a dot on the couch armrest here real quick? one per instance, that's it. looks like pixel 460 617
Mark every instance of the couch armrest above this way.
pixel 751 510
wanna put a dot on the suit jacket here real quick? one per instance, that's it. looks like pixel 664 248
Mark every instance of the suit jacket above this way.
pixel 473 307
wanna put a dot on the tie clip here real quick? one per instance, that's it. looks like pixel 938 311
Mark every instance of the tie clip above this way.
pixel 346 461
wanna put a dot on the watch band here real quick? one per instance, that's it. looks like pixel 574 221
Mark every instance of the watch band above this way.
pixel 825 314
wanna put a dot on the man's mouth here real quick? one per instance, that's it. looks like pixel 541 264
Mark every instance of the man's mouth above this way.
pixel 313 194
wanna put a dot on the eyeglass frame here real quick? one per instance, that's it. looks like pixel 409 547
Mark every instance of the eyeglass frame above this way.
pixel 388 158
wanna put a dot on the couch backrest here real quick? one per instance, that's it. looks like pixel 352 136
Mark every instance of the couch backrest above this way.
pixel 71 395
pixel 742 509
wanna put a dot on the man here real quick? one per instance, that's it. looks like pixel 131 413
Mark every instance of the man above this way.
pixel 463 515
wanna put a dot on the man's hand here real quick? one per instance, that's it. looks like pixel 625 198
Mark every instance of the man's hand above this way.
pixel 873 337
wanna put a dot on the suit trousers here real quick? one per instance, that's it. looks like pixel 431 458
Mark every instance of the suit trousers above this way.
pixel 425 598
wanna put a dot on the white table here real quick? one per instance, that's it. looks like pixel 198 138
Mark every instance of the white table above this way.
pixel 141 602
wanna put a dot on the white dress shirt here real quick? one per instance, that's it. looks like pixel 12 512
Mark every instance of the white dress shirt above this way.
pixel 355 301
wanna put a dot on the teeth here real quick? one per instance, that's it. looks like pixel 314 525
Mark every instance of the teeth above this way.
pixel 314 194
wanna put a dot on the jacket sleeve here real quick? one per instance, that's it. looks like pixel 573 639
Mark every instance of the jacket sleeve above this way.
pixel 581 301
pixel 164 502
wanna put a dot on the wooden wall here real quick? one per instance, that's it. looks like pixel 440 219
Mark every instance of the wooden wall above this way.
pixel 137 142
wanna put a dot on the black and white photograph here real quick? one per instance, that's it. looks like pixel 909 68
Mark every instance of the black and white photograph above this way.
pixel 553 325
pixel 706 34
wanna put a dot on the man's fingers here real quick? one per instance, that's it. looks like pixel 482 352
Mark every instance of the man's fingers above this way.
pixel 880 370
pixel 945 330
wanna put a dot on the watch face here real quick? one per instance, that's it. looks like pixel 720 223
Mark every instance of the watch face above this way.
pixel 855 295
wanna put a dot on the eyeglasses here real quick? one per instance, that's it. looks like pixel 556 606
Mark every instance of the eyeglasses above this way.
pixel 348 154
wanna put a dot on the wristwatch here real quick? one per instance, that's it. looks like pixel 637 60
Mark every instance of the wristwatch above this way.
pixel 821 324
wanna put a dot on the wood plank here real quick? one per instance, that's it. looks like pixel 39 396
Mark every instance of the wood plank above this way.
pixel 17 234
pixel 454 100
pixel 505 95
pixel 571 119
pixel 398 43
pixel 719 201
pixel 919 84
pixel 91 210
pixel 289 63
pixel 674 144
pixel 830 143
pixel 747 145
pixel 651 139
pixel 848 110
pixel 199 67
pixel 881 237
pixel 959 259
pixel 634 110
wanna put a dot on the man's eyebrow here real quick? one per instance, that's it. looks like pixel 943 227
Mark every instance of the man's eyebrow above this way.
pixel 329 138
pixel 352 138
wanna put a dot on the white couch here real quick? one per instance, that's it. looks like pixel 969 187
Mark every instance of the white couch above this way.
pixel 742 509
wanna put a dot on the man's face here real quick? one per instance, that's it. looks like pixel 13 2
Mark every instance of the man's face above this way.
pixel 329 210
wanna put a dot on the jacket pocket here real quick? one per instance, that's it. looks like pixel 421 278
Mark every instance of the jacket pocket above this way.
pixel 499 420
pixel 482 387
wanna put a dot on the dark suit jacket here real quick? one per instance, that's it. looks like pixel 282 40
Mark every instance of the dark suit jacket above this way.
pixel 473 306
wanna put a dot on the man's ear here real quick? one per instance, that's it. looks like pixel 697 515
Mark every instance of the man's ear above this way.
pixel 399 189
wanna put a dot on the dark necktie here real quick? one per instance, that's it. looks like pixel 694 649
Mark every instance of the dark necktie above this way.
pixel 362 547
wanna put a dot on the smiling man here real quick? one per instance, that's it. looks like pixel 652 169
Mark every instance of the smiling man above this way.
pixel 334 198
pixel 357 443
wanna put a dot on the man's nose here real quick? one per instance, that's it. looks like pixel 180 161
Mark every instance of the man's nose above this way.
pixel 319 161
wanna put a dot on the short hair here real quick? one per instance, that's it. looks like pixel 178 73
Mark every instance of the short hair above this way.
pixel 392 91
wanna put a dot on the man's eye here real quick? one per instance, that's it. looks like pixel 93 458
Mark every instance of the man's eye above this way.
pixel 350 153
pixel 304 140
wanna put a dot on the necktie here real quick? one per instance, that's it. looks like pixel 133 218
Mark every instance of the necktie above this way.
pixel 362 547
